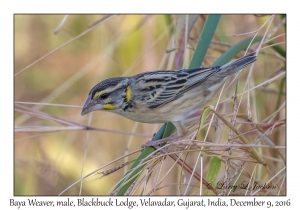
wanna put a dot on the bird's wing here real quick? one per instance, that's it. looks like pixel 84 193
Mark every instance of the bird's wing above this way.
pixel 161 87
pixel 158 87
pixel 196 77
pixel 166 86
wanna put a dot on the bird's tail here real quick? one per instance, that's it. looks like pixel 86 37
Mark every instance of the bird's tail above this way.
pixel 238 64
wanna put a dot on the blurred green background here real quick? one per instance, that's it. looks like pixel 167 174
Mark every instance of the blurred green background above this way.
pixel 48 162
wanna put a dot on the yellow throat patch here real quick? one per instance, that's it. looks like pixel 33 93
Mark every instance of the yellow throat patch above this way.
pixel 128 93
pixel 109 107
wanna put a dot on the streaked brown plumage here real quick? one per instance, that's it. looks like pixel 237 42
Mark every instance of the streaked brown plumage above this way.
pixel 162 96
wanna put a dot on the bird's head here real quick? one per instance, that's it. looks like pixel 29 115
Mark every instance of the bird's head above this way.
pixel 109 95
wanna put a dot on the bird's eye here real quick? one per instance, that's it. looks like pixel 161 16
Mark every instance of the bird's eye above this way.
pixel 104 95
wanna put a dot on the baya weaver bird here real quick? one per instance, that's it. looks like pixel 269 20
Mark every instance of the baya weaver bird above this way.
pixel 162 96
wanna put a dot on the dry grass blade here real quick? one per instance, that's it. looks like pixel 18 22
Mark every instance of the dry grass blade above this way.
pixel 61 24
pixel 95 171
pixel 243 139
pixel 48 104
pixel 75 126
pixel 39 128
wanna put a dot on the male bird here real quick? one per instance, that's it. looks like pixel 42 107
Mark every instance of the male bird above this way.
pixel 162 96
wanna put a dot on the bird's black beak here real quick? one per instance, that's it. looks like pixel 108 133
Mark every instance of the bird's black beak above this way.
pixel 90 105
